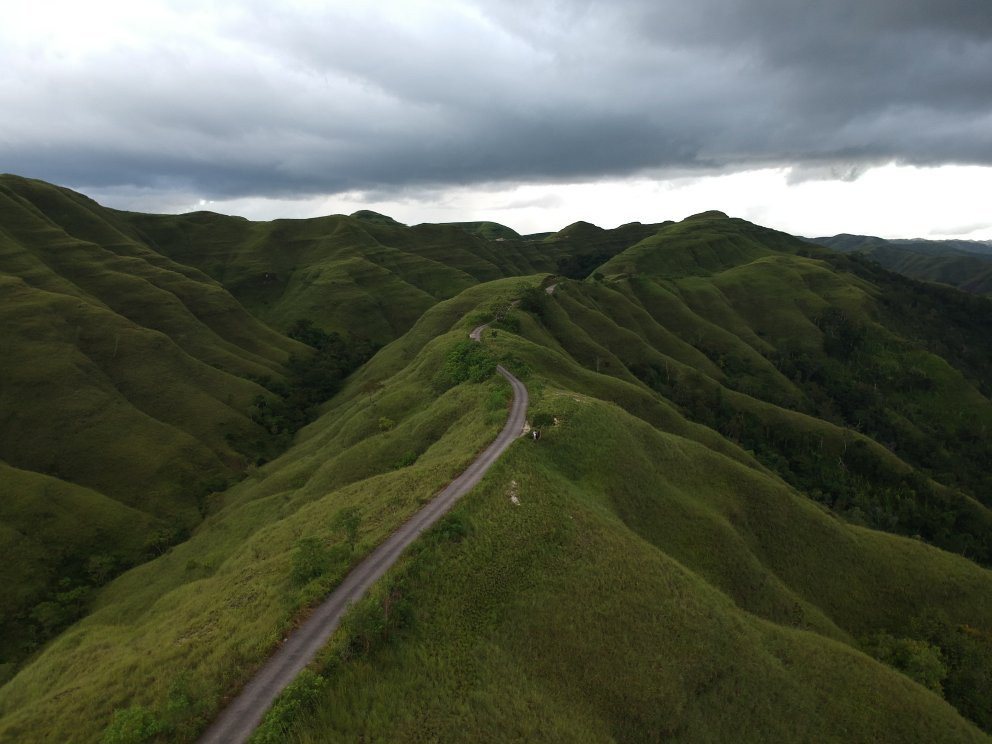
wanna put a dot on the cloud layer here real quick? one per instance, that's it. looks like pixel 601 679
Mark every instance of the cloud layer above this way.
pixel 301 98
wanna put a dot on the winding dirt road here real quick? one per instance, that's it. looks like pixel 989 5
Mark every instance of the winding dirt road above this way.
pixel 241 717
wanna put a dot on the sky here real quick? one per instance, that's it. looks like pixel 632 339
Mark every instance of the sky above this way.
pixel 861 116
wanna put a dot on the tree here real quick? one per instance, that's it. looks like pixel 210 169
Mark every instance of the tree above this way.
pixel 349 521
pixel 534 300
pixel 310 559
pixel 542 420
pixel 916 659
pixel 372 387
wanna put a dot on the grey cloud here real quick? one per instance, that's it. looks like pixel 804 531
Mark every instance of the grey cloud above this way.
pixel 384 96
pixel 962 230
pixel 539 202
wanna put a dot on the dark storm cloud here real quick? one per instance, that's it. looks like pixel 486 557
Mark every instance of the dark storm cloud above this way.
pixel 325 98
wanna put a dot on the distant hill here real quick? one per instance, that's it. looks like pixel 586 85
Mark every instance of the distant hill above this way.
pixel 367 276
pixel 367 215
pixel 760 508
pixel 847 243
pixel 488 230
pixel 586 246
pixel 966 264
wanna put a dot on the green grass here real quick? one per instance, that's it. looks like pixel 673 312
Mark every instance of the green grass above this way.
pixel 183 615
pixel 633 602
pixel 127 389
pixel 688 558
pixel 776 378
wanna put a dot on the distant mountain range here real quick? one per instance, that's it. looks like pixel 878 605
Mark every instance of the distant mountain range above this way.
pixel 966 264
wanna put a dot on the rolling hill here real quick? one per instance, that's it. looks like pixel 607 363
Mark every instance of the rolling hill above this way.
pixel 965 264
pixel 760 508
pixel 127 386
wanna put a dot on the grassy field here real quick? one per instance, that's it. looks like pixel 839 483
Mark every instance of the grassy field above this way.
pixel 760 477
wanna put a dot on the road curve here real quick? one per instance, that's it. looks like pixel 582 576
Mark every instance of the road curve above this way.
pixel 238 721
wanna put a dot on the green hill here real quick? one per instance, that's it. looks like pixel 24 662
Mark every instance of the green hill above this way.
pixel 128 382
pixel 367 277
pixel 758 511
pixel 488 230
pixel 963 264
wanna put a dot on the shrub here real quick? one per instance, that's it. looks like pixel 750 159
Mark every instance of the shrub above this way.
pixel 451 528
pixel 542 420
pixel 467 361
pixel 374 620
pixel 534 300
pixel 349 521
pixel 916 659
pixel 408 459
pixel 516 366
pixel 132 726
pixel 300 696
pixel 311 558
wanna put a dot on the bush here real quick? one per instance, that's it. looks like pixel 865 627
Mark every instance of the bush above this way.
pixel 451 528
pixel 498 397
pixel 311 559
pixel 542 420
pixel 408 459
pixel 374 620
pixel 132 726
pixel 516 366
pixel 299 697
pixel 349 521
pixel 916 659
pixel 534 300
pixel 467 361
pixel 509 323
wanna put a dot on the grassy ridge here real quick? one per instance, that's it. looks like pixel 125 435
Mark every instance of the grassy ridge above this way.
pixel 804 357
pixel 641 587
pixel 179 627
pixel 347 274
pixel 127 389
pixel 370 277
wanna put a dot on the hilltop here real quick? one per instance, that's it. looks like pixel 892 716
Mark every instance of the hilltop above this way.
pixel 758 509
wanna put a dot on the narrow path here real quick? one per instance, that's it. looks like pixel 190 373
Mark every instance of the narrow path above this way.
pixel 238 721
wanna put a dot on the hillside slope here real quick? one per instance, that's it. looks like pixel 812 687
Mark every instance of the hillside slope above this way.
pixel 126 399
pixel 761 475
pixel 629 579
pixel 365 275
pixel 963 264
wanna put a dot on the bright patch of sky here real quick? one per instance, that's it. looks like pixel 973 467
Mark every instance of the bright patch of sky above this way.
pixel 814 118
pixel 889 201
